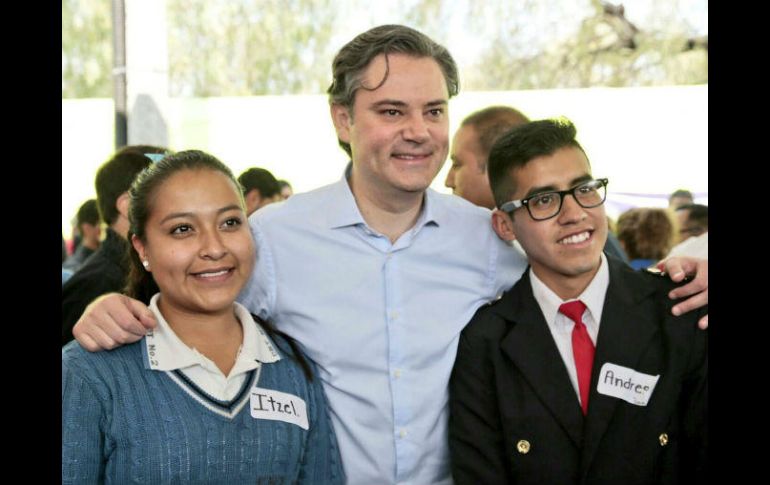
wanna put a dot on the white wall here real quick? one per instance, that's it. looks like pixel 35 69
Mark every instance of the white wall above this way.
pixel 645 140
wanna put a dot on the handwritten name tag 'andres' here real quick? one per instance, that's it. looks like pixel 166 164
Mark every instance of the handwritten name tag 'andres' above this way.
pixel 626 384
pixel 278 406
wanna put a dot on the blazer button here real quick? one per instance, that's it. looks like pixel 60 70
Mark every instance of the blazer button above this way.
pixel 663 438
pixel 523 447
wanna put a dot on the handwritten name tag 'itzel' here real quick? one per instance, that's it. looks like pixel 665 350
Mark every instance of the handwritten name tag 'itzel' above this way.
pixel 626 384
pixel 278 406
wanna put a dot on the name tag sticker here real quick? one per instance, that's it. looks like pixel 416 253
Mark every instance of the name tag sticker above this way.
pixel 626 384
pixel 278 406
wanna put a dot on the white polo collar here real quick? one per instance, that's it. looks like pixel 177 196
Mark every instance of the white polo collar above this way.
pixel 592 296
pixel 165 351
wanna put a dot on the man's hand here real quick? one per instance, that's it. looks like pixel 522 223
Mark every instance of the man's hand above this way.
pixel 677 268
pixel 113 320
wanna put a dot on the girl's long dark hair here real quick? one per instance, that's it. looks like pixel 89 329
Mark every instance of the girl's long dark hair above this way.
pixel 140 283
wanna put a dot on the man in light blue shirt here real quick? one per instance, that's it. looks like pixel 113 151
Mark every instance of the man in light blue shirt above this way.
pixel 380 318
pixel 377 274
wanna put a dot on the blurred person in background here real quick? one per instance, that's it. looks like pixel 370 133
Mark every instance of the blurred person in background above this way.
pixel 467 176
pixel 106 269
pixel 87 222
pixel 679 197
pixel 286 190
pixel 260 188
pixel 693 220
pixel 646 235
pixel 693 231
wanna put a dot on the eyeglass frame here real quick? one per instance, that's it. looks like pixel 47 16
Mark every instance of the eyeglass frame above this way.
pixel 512 205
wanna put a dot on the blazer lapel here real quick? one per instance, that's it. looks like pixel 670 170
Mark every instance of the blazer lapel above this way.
pixel 530 346
pixel 627 326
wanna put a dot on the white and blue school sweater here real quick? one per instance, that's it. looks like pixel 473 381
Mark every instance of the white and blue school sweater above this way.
pixel 125 423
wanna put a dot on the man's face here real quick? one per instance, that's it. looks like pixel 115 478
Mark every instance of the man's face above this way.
pixel 678 201
pixel 566 247
pixel 398 133
pixel 687 228
pixel 91 234
pixel 466 177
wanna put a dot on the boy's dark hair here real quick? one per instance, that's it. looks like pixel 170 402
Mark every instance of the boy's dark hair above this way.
pixel 521 144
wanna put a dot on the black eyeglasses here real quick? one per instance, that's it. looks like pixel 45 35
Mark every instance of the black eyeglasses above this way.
pixel 548 204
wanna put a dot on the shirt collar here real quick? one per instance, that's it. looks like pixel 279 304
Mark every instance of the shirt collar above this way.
pixel 593 296
pixel 256 344
pixel 342 209
pixel 165 351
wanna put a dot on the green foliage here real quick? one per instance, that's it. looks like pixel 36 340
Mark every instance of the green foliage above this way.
pixel 239 47
pixel 86 55
pixel 249 47
pixel 604 50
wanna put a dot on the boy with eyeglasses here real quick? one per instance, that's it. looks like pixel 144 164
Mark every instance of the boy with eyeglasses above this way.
pixel 578 374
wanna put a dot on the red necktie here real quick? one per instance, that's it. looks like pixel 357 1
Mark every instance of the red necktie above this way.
pixel 582 348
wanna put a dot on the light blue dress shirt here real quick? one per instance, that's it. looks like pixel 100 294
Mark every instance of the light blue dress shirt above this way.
pixel 380 320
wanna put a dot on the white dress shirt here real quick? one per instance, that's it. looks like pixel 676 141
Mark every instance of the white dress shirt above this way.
pixel 561 325
pixel 382 320
pixel 697 247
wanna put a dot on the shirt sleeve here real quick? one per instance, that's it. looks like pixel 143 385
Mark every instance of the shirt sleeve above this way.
pixel 321 463
pixel 83 424
pixel 259 294
pixel 508 264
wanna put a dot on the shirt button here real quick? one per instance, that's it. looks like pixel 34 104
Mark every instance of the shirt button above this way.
pixel 523 447
pixel 402 433
pixel 393 315
pixel 397 373
pixel 663 438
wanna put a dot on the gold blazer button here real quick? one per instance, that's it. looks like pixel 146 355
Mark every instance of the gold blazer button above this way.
pixel 523 447
pixel 663 438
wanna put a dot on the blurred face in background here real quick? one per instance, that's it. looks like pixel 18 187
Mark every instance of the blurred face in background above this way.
pixel 467 177
pixel 687 228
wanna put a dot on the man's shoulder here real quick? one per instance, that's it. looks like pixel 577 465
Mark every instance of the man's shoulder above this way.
pixel 468 224
pixel 100 365
pixel 697 247
pixel 642 281
pixel 489 321
pixel 649 284
pixel 460 208
pixel 97 276
pixel 104 259
pixel 313 203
